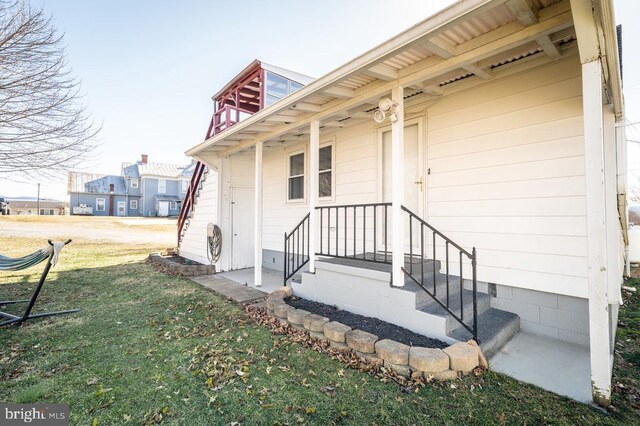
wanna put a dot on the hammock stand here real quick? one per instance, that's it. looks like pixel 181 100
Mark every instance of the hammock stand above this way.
pixel 51 255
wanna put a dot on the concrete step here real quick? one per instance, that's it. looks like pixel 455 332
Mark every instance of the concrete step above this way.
pixel 495 329
pixel 430 306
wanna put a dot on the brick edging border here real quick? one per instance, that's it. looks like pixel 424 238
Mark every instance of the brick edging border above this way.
pixel 414 362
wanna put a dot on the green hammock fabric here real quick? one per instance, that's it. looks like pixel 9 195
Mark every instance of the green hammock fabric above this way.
pixel 17 264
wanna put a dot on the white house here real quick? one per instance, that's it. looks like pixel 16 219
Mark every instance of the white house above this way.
pixel 478 149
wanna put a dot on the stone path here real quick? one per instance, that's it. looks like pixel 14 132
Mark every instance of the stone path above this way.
pixel 235 291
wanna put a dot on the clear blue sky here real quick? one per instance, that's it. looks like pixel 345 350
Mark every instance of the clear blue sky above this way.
pixel 149 68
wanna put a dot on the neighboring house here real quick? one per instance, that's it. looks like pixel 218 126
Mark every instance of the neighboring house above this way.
pixel 31 206
pixel 465 178
pixel 142 189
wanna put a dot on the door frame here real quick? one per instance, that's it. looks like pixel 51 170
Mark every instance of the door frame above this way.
pixel 159 204
pixel 124 209
pixel 422 161
pixel 232 264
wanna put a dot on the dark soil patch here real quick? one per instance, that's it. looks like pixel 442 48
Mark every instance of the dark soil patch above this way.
pixel 174 258
pixel 380 328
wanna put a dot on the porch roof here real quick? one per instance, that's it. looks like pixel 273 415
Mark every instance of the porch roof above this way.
pixel 471 39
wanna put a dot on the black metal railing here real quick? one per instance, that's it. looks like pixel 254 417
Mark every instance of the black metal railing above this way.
pixel 355 231
pixel 418 229
pixel 296 248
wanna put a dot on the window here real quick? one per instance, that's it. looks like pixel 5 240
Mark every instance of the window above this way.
pixel 173 205
pixel 133 204
pixel 325 171
pixel 135 183
pixel 185 185
pixel 162 186
pixel 99 204
pixel 296 176
pixel 278 87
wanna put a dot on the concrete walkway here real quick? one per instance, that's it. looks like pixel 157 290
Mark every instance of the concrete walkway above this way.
pixel 233 290
pixel 271 279
pixel 556 366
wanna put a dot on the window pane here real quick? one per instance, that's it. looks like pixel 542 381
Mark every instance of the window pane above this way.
pixel 295 86
pixel 271 100
pixel 296 188
pixel 296 164
pixel 325 158
pixel 276 85
pixel 324 184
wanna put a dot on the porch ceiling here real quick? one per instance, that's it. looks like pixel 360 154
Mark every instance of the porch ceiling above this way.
pixel 469 40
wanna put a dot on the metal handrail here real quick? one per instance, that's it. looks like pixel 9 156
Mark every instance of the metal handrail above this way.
pixel 354 218
pixel 296 248
pixel 189 198
pixel 473 329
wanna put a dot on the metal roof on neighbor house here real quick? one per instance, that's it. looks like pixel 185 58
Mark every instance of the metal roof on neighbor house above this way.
pixel 103 185
pixel 130 170
pixel 164 170
pixel 95 183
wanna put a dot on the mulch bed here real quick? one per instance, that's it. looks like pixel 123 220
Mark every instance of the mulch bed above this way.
pixel 380 328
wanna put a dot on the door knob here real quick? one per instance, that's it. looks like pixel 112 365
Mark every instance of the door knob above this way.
pixel 419 182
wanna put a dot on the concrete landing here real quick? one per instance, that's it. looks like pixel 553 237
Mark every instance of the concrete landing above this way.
pixel 271 279
pixel 233 290
pixel 551 364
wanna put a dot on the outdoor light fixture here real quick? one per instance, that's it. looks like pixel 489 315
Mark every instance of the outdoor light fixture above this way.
pixel 385 106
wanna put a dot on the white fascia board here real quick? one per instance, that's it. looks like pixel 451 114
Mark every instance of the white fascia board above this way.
pixel 461 9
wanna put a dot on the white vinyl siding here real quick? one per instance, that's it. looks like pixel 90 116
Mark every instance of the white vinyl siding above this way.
pixel 507 176
pixel 162 186
pixel 504 172
pixel 194 242
pixel 100 204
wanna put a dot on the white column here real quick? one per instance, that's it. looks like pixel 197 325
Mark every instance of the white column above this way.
pixel 257 270
pixel 599 330
pixel 397 187
pixel 314 147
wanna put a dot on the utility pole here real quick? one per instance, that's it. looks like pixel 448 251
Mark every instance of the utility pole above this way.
pixel 38 203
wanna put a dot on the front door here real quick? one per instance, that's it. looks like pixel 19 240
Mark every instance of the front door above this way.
pixel 413 178
pixel 242 226
pixel 122 208
pixel 163 208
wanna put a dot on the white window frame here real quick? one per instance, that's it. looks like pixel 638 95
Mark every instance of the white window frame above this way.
pixel 104 204
pixel 185 186
pixel 135 183
pixel 332 144
pixel 290 154
pixel 173 205
pixel 133 204
pixel 164 184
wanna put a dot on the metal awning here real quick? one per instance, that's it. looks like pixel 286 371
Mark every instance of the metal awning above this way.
pixel 168 198
pixel 469 39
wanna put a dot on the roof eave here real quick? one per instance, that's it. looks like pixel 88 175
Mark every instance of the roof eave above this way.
pixel 431 24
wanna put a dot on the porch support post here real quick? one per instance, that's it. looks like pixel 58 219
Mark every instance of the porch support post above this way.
pixel 257 269
pixel 314 148
pixel 397 187
pixel 599 330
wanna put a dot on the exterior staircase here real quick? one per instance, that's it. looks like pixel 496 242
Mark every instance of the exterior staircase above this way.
pixel 191 199
pixel 495 327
